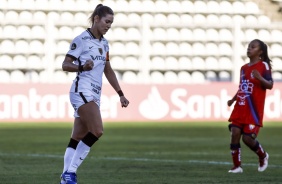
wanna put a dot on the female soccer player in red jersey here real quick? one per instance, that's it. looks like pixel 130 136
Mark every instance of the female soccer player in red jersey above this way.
pixel 88 55
pixel 247 116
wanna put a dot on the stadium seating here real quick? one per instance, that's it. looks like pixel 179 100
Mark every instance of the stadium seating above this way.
pixel 5 76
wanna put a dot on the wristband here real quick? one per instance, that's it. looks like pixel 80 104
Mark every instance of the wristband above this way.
pixel 80 68
pixel 120 93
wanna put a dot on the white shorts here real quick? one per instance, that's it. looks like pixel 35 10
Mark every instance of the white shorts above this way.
pixel 80 98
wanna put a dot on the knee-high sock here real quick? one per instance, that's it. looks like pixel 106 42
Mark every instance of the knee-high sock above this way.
pixel 236 154
pixel 70 150
pixel 259 150
pixel 82 150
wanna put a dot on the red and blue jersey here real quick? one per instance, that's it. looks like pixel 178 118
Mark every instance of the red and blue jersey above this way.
pixel 249 107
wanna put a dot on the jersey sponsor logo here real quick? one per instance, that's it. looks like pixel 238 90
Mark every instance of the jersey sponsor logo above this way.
pixel 96 88
pixel 102 58
pixel 100 50
pixel 73 46
pixel 245 89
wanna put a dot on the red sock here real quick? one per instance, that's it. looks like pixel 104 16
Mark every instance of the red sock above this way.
pixel 260 152
pixel 236 157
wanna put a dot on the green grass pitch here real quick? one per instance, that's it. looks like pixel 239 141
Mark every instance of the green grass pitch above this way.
pixel 136 153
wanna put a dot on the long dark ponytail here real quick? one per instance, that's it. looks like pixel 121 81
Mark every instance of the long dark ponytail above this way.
pixel 264 55
pixel 101 11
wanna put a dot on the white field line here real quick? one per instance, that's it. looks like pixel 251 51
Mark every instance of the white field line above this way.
pixel 138 159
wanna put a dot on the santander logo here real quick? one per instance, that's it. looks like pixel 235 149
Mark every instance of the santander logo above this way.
pixel 154 107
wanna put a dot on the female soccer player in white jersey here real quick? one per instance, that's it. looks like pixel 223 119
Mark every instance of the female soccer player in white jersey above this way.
pixel 89 57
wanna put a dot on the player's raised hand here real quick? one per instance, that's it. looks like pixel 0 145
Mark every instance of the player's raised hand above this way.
pixel 89 64
pixel 256 74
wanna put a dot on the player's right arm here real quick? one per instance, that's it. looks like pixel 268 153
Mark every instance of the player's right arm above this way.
pixel 69 66
pixel 230 102
pixel 76 48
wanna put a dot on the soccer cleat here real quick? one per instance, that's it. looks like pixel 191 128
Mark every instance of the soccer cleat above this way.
pixel 69 178
pixel 236 170
pixel 263 163
pixel 62 180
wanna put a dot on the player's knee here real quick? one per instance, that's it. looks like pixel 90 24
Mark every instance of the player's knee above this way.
pixel 235 134
pixel 98 133
pixel 248 140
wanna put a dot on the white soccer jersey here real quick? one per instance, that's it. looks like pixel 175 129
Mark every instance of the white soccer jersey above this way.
pixel 85 47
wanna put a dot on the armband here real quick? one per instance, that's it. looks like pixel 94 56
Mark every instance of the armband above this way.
pixel 80 68
pixel 120 93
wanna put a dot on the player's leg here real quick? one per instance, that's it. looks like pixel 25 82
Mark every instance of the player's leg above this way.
pixel 91 118
pixel 249 138
pixel 79 130
pixel 235 148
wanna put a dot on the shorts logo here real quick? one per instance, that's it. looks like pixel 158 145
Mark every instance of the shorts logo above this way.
pixel 251 127
pixel 100 50
pixel 73 46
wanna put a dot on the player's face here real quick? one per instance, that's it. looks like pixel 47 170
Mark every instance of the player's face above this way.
pixel 254 49
pixel 105 23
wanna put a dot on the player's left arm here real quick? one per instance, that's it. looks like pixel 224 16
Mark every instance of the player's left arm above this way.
pixel 111 76
pixel 267 81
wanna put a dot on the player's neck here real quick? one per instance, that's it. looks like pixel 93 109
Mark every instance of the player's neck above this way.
pixel 254 61
pixel 96 33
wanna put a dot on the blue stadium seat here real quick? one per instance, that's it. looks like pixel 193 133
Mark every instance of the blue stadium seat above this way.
pixel 211 76
pixel 224 76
